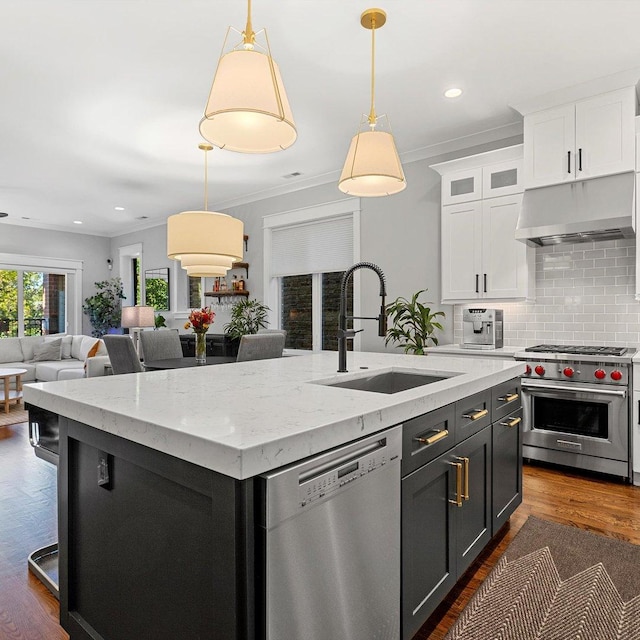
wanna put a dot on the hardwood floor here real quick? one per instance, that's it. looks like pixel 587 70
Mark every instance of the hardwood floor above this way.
pixel 28 521
pixel 28 611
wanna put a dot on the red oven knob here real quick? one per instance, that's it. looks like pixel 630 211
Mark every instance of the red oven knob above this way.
pixel 616 375
pixel 539 370
pixel 527 370
pixel 601 374
pixel 568 371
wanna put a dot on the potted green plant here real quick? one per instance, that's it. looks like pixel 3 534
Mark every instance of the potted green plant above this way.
pixel 413 324
pixel 104 308
pixel 247 316
pixel 160 321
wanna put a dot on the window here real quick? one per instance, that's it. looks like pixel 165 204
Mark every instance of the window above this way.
pixel 39 295
pixel 32 303
pixel 306 255
pixel 195 292
pixel 137 281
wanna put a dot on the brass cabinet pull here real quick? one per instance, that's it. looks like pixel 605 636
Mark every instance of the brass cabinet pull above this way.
pixel 476 415
pixel 458 500
pixel 439 435
pixel 509 398
pixel 465 465
pixel 512 423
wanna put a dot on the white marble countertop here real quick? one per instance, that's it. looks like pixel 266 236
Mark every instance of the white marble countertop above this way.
pixel 245 418
pixel 456 349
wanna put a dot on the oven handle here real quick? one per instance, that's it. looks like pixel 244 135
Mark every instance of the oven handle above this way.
pixel 557 387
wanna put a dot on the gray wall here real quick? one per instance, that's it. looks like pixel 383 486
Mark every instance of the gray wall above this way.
pixel 93 251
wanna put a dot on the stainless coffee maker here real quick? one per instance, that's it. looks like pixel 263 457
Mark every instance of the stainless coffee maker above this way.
pixel 482 329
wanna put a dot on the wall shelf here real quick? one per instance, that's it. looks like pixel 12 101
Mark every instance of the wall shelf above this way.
pixel 225 294
pixel 241 265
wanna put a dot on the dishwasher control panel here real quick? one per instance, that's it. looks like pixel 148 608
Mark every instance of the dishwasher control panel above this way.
pixel 325 482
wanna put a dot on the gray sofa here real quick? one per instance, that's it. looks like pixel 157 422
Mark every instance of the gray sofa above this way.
pixel 39 355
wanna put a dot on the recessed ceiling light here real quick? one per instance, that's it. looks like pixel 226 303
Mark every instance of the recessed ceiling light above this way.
pixel 454 92
pixel 119 208
pixel 77 222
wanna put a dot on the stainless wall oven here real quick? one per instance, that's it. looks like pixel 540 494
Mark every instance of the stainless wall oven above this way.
pixel 577 408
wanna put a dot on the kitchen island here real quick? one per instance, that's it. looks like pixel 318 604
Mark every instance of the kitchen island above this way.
pixel 158 499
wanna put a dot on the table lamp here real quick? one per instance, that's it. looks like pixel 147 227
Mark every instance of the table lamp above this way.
pixel 137 318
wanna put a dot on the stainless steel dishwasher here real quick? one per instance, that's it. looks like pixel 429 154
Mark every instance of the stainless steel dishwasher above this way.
pixel 331 542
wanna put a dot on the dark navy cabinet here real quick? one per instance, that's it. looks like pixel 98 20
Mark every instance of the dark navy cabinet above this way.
pixel 455 501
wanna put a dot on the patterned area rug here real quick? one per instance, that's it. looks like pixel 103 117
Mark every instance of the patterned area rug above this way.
pixel 557 583
pixel 16 414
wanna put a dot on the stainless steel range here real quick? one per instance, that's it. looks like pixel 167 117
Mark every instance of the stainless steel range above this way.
pixel 577 406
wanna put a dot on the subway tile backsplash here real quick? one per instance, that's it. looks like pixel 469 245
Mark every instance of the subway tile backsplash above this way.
pixel 585 294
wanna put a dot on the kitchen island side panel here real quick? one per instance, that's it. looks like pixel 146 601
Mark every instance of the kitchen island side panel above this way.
pixel 161 549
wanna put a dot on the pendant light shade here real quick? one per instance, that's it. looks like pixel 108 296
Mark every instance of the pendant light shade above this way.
pixel 205 238
pixel 205 271
pixel 192 259
pixel 204 233
pixel 248 110
pixel 372 167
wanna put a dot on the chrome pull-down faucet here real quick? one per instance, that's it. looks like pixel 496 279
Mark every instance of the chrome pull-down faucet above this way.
pixel 345 334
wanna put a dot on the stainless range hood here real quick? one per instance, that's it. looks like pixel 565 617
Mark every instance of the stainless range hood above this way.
pixel 596 209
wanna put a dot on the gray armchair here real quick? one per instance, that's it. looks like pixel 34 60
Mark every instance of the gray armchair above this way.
pixel 160 345
pixel 261 346
pixel 122 354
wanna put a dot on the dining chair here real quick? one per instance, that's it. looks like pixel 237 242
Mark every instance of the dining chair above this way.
pixel 260 346
pixel 282 331
pixel 160 345
pixel 122 354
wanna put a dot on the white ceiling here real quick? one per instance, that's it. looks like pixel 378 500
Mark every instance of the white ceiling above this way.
pixel 100 100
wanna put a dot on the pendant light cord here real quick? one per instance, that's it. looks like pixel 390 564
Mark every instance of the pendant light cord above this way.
pixel 372 112
pixel 206 181
pixel 249 35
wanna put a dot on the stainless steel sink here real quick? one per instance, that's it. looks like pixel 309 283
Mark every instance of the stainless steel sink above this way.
pixel 388 382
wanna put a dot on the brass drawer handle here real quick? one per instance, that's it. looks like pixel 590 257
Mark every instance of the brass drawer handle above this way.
pixel 509 398
pixel 512 423
pixel 465 464
pixel 439 435
pixel 476 415
pixel 458 500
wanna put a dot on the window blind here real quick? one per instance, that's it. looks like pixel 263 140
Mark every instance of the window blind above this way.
pixel 312 247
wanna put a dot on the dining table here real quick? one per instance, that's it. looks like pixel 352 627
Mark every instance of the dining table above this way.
pixel 180 363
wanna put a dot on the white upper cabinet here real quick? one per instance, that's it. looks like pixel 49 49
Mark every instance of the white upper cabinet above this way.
pixel 584 139
pixel 462 186
pixel 461 251
pixel 505 261
pixel 485 175
pixel 480 257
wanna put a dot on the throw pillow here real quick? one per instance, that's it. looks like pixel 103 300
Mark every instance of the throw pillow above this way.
pixel 66 344
pixel 28 344
pixel 88 343
pixel 50 350
pixel 94 350
pixel 10 350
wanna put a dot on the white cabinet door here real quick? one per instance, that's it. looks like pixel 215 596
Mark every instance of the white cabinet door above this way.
pixel 462 186
pixel 505 261
pixel 502 179
pixel 549 144
pixel 461 251
pixel 605 132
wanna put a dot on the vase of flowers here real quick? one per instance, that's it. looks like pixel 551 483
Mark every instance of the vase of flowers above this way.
pixel 200 320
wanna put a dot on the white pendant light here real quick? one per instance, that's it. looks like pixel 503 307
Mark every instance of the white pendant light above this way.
pixel 372 167
pixel 248 110
pixel 205 238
